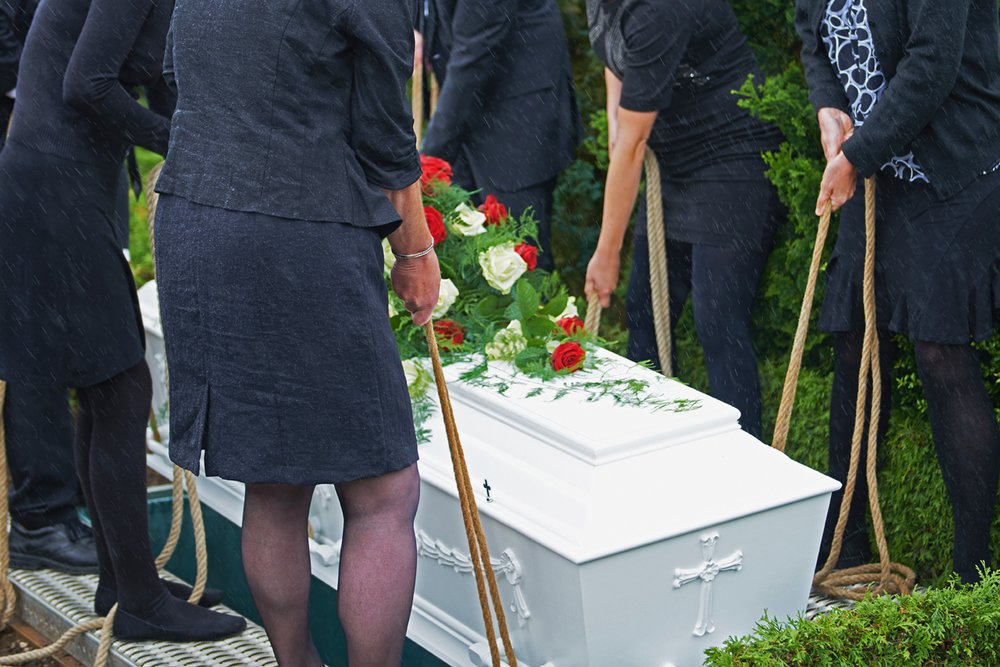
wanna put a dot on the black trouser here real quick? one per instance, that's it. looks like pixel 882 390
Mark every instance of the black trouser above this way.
pixel 722 282
pixel 40 455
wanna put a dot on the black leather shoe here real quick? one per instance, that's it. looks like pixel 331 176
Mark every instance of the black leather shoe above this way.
pixel 66 547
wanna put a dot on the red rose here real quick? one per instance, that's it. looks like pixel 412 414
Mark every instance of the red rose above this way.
pixel 494 210
pixel 435 223
pixel 449 334
pixel 570 325
pixel 568 356
pixel 528 253
pixel 434 169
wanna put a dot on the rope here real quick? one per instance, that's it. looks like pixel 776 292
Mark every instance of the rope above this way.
pixel 885 577
pixel 659 280
pixel 478 550
pixel 104 625
pixel 9 597
pixel 784 418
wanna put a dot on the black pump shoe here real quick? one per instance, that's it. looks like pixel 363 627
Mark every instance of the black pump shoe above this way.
pixel 105 598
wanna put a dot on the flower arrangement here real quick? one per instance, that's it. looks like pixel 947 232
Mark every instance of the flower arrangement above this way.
pixel 494 305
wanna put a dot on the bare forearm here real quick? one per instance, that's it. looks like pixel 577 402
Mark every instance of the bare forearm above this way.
pixel 620 191
pixel 413 235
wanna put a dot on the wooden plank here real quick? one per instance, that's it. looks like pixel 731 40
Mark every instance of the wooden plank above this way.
pixel 36 639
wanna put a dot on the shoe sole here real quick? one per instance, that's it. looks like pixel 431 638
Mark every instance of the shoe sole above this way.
pixel 20 562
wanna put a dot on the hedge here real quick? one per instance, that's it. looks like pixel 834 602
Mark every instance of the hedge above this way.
pixel 954 625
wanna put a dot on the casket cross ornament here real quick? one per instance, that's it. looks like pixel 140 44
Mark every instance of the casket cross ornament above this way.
pixel 707 573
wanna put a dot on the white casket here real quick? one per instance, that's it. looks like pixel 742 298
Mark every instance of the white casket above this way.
pixel 621 536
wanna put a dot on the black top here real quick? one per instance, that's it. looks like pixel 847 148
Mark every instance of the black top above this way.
pixel 15 18
pixel 942 101
pixel 507 104
pixel 296 110
pixel 80 62
pixel 682 58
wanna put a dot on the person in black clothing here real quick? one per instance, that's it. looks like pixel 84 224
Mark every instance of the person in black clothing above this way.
pixel 45 528
pixel 69 302
pixel 284 372
pixel 914 103
pixel 506 118
pixel 670 70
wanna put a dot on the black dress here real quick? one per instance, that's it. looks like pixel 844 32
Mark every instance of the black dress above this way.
pixel 283 365
pixel 66 291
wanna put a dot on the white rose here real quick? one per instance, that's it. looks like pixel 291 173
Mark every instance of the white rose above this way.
pixel 502 266
pixel 507 343
pixel 392 310
pixel 569 311
pixel 470 221
pixel 388 259
pixel 446 298
pixel 417 378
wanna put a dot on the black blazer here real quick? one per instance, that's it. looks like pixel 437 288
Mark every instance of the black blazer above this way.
pixel 507 104
pixel 942 60
pixel 292 109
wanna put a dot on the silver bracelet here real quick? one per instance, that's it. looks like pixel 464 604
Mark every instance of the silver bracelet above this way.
pixel 416 255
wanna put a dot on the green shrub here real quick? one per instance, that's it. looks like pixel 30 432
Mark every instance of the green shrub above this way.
pixel 954 625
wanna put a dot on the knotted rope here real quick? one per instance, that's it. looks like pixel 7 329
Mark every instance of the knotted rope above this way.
pixel 885 577
pixel 104 625
pixel 478 549
pixel 659 280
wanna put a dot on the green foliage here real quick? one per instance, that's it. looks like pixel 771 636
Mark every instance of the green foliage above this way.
pixel 954 625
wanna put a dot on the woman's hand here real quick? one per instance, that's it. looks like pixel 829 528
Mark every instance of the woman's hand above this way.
pixel 839 182
pixel 417 282
pixel 602 275
pixel 835 128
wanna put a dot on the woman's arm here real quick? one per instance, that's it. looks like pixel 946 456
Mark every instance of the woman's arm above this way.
pixel 620 191
pixel 613 86
pixel 825 89
pixel 91 84
pixel 923 80
pixel 415 281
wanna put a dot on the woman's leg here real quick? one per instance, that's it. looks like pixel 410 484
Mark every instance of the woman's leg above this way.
pixel 843 402
pixel 967 440
pixel 378 564
pixel 278 568
pixel 724 281
pixel 113 460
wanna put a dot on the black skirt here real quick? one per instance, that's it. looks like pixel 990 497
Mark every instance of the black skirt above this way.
pixel 69 311
pixel 937 262
pixel 282 363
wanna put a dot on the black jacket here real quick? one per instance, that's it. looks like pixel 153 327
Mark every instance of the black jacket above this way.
pixel 942 61
pixel 292 109
pixel 507 104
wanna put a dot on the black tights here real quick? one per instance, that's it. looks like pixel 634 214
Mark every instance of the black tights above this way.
pixel 111 463
pixel 378 561
pixel 722 282
pixel 966 437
